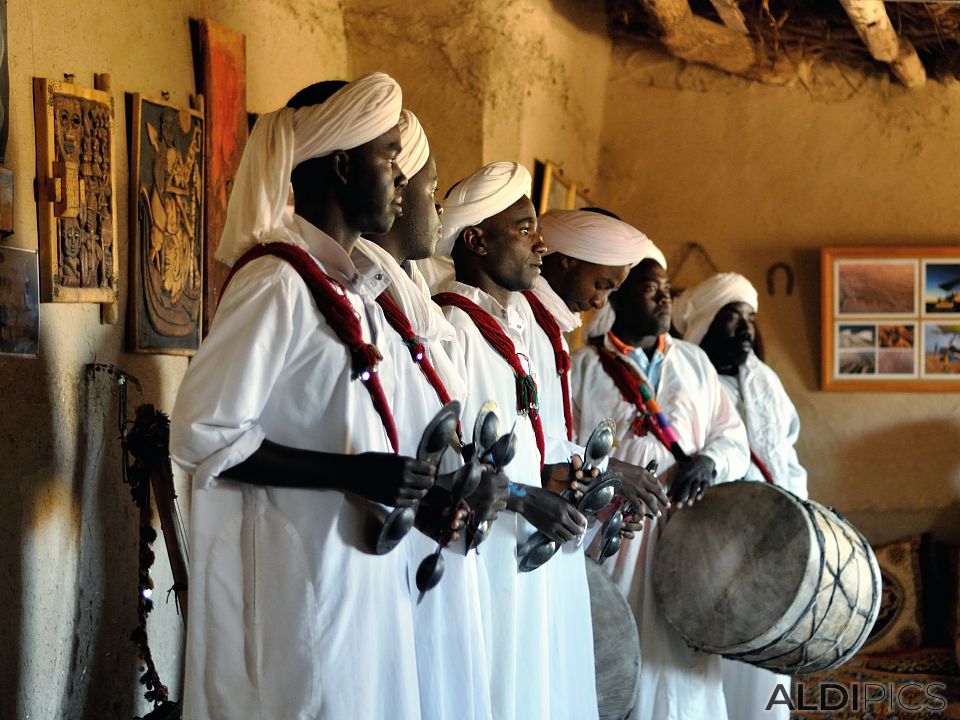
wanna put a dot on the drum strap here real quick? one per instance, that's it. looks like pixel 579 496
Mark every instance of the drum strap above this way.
pixel 331 300
pixel 636 391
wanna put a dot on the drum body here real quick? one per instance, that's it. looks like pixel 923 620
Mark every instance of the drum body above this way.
pixel 756 574
pixel 616 645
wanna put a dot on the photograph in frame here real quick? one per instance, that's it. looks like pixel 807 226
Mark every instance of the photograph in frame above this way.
pixel 896 349
pixel 876 287
pixel 941 350
pixel 941 287
pixel 19 302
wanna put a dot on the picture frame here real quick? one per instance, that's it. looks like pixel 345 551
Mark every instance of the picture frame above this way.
pixel 890 319
pixel 19 302
pixel 76 192
pixel 552 190
pixel 165 303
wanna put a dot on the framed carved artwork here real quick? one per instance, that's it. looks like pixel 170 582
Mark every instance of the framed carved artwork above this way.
pixel 220 63
pixel 891 318
pixel 76 186
pixel 19 302
pixel 166 228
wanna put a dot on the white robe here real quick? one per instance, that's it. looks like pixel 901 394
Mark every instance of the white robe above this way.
pixel 513 605
pixel 573 690
pixel 772 429
pixel 451 663
pixel 288 619
pixel 676 682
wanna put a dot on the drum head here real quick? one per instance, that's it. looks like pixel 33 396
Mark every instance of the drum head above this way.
pixel 616 645
pixel 729 568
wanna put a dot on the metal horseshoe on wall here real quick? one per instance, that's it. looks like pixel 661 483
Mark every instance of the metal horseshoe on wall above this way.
pixel 771 277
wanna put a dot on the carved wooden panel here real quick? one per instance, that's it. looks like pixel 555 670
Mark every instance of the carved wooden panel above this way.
pixel 166 228
pixel 75 192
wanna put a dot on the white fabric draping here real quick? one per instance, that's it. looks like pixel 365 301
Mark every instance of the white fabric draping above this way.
pixel 356 114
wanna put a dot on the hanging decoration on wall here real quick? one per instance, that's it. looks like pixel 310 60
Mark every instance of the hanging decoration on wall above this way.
pixel 220 63
pixel 166 227
pixel 19 302
pixel 75 192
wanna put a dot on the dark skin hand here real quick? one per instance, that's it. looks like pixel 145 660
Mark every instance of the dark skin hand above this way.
pixel 381 477
pixel 691 480
pixel 441 523
pixel 640 488
pixel 549 513
pixel 490 497
pixel 558 477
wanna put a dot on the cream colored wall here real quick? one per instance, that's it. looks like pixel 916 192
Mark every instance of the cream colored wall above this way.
pixel 492 79
pixel 761 174
pixel 68 558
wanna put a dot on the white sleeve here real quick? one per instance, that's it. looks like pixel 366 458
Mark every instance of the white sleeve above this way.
pixel 215 420
pixel 726 441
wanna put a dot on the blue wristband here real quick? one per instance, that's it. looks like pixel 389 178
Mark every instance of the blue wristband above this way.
pixel 516 489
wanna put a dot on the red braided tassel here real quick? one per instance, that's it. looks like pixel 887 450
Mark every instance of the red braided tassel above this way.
pixel 762 467
pixel 561 357
pixel 331 300
pixel 498 340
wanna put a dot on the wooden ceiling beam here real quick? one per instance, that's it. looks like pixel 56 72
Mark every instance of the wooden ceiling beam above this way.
pixel 694 38
pixel 870 19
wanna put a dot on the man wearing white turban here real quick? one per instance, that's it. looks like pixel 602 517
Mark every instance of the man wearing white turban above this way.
pixel 589 255
pixel 490 229
pixel 286 406
pixel 629 374
pixel 430 372
pixel 720 314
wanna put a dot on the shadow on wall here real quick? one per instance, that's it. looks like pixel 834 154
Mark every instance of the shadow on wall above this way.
pixel 27 452
pixel 59 441
pixel 915 467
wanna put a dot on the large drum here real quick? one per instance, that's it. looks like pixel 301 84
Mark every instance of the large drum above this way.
pixel 754 573
pixel 616 645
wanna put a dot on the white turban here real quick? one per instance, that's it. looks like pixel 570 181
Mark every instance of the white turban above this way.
pixel 595 238
pixel 356 114
pixel 490 190
pixel 415 150
pixel 695 309
pixel 602 321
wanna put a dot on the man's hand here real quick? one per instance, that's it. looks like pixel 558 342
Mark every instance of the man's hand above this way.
pixel 551 514
pixel 490 496
pixel 640 488
pixel 567 476
pixel 691 480
pixel 443 524
pixel 392 479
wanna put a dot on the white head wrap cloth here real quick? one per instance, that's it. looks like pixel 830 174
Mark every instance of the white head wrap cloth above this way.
pixel 415 150
pixel 490 190
pixel 602 321
pixel 356 114
pixel 695 309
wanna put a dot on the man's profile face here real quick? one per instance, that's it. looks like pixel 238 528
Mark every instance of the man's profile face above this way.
pixel 420 222
pixel 587 285
pixel 514 247
pixel 644 300
pixel 730 337
pixel 374 183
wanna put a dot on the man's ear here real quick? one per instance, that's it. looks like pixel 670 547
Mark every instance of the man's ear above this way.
pixel 341 165
pixel 474 239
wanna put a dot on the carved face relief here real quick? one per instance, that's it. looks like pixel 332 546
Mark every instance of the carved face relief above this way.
pixel 71 237
pixel 68 119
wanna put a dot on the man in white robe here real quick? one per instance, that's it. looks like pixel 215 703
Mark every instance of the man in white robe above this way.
pixel 490 229
pixel 676 682
pixel 451 662
pixel 289 616
pixel 719 314
pixel 589 255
